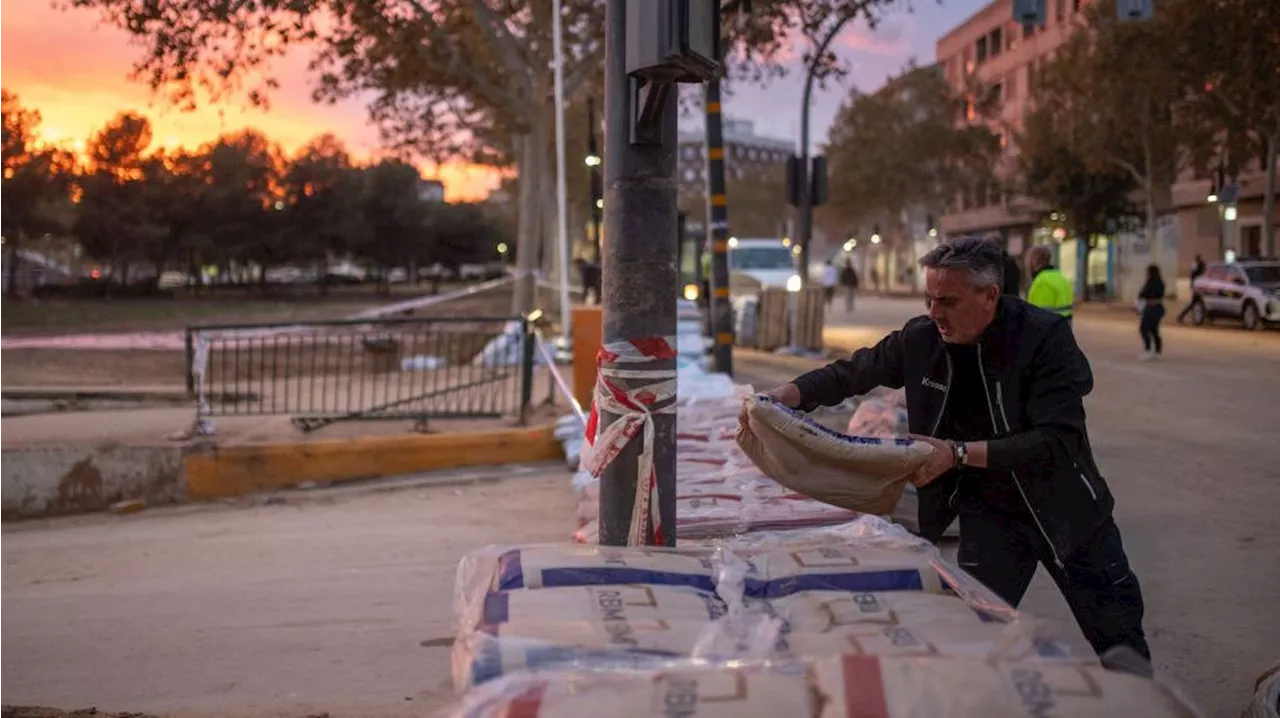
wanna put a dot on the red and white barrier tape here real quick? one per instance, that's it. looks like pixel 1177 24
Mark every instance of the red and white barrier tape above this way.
pixel 652 392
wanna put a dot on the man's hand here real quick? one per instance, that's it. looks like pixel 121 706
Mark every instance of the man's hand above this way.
pixel 941 461
pixel 787 395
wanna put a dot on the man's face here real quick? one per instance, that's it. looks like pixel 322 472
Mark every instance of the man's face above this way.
pixel 960 310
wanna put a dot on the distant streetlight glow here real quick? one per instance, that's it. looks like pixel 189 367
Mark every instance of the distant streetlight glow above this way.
pixel 793 283
pixel 600 204
pixel 593 160
pixel 875 239
pixel 1229 214
pixel 502 247
pixel 933 233
pixel 848 246
pixel 1213 197
pixel 733 242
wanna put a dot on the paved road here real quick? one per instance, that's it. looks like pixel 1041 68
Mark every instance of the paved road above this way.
pixel 1191 447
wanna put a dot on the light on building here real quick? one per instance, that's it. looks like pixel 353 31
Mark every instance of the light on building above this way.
pixel 1229 214
pixel 848 246
pixel 1213 197
pixel 933 233
pixel 1230 256
pixel 786 241
pixel 875 239
pixel 795 251
pixel 600 204
pixel 593 160
pixel 691 292
pixel 794 283
pixel 279 204
pixel 1059 234
pixel 1053 217
pixel 502 247
pixel 733 242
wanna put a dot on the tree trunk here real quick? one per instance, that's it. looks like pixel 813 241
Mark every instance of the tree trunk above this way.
pixel 1148 162
pixel 1269 196
pixel 531 148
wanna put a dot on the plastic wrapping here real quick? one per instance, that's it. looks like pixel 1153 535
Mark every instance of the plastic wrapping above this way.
pixel 865 586
pixel 856 686
pixel 689 689
pixel 849 686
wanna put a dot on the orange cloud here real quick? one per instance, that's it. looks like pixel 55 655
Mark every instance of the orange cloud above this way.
pixel 75 72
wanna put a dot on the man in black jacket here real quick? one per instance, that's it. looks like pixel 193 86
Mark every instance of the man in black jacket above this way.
pixel 997 387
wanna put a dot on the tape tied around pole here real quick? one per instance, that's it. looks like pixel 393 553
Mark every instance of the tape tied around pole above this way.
pixel 635 396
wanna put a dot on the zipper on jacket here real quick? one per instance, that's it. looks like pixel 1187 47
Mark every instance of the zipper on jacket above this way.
pixel 1087 485
pixel 937 423
pixel 1000 393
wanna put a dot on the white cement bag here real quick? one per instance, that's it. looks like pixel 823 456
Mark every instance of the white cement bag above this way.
pixel 501 649
pixel 828 623
pixel 858 686
pixel 857 473
pixel 560 565
pixel 600 603
pixel 685 691
pixel 836 567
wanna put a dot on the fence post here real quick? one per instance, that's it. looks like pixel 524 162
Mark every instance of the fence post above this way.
pixel 526 371
pixel 190 357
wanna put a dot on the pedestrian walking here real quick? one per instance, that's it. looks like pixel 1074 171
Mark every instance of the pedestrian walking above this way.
pixel 997 387
pixel 849 280
pixel 830 280
pixel 1152 297
pixel 589 274
pixel 1197 270
pixel 1049 289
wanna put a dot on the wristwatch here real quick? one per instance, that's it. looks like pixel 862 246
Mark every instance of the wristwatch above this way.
pixel 960 453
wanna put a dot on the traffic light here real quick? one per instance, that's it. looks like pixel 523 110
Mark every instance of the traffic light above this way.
pixel 818 182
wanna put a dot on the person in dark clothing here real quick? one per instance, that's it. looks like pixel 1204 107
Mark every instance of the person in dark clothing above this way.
pixel 1197 270
pixel 849 280
pixel 589 275
pixel 1152 297
pixel 1012 284
pixel 996 386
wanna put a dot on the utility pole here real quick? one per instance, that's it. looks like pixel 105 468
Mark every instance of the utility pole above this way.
pixel 649 46
pixel 718 306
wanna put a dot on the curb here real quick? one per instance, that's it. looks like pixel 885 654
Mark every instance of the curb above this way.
pixel 43 481
pixel 218 472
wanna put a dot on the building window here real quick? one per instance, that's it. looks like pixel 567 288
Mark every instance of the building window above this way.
pixel 753 154
pixel 1060 11
pixel 997 42
pixel 981 49
pixel 690 152
pixel 690 174
pixel 997 94
pixel 1028 31
pixel 1075 5
pixel 1011 85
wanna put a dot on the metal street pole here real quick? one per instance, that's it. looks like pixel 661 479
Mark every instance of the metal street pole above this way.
pixel 721 312
pixel 804 210
pixel 562 218
pixel 640 279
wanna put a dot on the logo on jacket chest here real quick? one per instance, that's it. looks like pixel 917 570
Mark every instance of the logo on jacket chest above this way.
pixel 926 381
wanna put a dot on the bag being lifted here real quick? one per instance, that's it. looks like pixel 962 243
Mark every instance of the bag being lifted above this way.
pixel 854 472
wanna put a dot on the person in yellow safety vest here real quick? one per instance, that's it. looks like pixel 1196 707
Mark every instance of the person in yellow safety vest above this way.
pixel 1049 288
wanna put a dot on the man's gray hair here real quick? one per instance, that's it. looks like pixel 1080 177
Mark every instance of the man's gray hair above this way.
pixel 981 259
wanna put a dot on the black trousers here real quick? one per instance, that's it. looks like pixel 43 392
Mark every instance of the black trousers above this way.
pixel 1149 327
pixel 1001 550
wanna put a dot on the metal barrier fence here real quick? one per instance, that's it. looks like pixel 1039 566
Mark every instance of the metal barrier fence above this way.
pixel 323 372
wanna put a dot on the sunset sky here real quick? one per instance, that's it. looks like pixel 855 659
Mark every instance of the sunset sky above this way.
pixel 75 72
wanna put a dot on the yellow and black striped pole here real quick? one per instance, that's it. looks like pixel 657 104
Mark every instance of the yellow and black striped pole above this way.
pixel 718 306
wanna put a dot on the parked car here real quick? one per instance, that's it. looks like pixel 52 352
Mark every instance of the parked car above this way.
pixel 1247 290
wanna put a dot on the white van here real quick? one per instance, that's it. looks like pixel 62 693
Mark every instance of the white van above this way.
pixel 756 264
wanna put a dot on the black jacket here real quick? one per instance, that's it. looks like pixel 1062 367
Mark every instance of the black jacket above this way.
pixel 1036 379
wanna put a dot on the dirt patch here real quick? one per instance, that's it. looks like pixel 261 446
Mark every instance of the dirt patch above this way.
pixel 92 367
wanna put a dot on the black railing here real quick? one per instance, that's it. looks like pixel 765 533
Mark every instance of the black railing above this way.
pixel 323 372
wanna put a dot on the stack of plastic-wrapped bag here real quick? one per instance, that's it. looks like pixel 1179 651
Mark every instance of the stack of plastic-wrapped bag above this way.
pixel 859 619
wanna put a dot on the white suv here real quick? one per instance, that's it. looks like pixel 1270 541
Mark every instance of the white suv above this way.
pixel 1248 290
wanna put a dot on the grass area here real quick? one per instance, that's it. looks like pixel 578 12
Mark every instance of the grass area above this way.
pixel 69 316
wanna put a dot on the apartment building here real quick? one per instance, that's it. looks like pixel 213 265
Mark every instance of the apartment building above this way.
pixel 991 50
